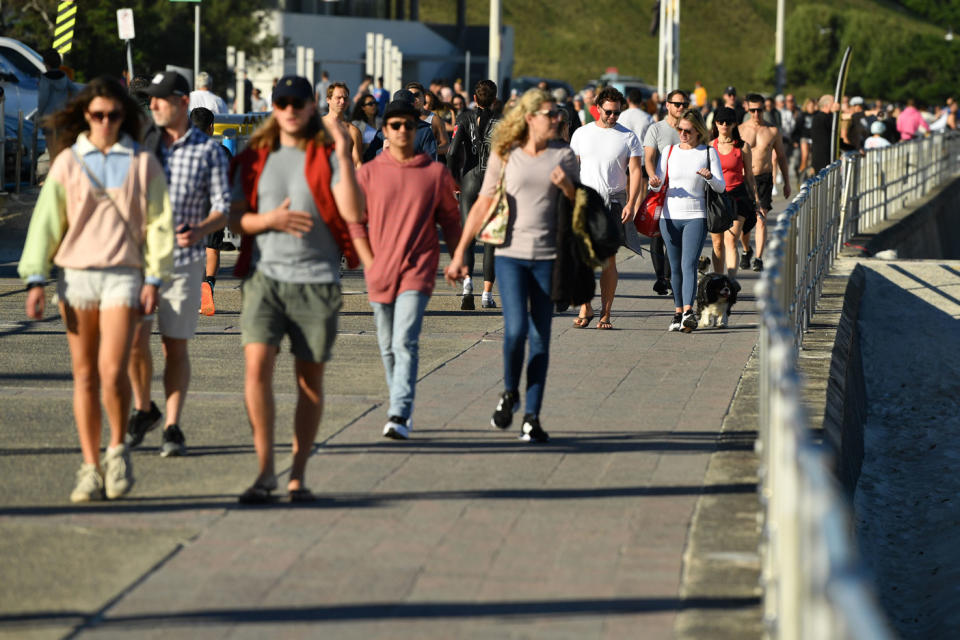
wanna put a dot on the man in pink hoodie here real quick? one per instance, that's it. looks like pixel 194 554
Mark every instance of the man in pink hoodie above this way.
pixel 407 196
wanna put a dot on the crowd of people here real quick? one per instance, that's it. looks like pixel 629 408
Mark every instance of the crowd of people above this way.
pixel 138 194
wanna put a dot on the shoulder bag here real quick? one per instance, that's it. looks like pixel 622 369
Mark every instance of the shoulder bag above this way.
pixel 719 207
pixel 494 229
pixel 647 220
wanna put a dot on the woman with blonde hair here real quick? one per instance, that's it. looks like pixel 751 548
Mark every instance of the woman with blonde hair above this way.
pixel 536 170
pixel 103 216
pixel 692 168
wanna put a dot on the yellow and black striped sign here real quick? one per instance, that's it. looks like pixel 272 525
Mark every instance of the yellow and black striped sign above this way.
pixel 66 18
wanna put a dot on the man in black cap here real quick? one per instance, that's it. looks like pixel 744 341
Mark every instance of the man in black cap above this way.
pixel 424 142
pixel 196 168
pixel 293 194
pixel 730 101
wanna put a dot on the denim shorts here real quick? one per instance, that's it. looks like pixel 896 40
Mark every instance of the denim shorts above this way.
pixel 100 288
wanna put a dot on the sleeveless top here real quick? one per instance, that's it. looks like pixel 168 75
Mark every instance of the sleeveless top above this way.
pixel 732 165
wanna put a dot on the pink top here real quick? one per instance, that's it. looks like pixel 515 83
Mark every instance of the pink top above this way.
pixel 909 122
pixel 732 165
pixel 405 203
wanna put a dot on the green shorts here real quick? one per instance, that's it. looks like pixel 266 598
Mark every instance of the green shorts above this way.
pixel 307 312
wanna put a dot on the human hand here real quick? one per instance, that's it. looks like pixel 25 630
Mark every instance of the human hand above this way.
pixel 655 182
pixel 704 173
pixel 338 134
pixel 291 221
pixel 187 236
pixel 455 271
pixel 36 301
pixel 627 213
pixel 786 190
pixel 148 299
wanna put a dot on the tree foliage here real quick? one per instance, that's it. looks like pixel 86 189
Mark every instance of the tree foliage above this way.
pixel 164 30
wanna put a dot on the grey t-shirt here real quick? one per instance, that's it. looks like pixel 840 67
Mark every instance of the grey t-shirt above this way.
pixel 661 135
pixel 315 257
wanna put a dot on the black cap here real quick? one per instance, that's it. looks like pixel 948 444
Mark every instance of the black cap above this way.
pixel 400 108
pixel 731 90
pixel 166 84
pixel 725 114
pixel 405 96
pixel 293 87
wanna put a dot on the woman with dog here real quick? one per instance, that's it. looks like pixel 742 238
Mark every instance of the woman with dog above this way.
pixel 741 187
pixel 691 168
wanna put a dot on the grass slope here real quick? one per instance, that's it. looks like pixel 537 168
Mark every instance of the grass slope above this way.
pixel 721 43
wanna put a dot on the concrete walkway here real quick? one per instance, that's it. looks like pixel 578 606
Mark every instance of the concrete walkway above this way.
pixel 462 532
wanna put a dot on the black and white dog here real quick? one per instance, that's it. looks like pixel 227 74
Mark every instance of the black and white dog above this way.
pixel 716 295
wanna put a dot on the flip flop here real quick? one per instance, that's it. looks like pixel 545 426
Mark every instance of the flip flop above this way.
pixel 604 324
pixel 302 495
pixel 259 493
pixel 582 322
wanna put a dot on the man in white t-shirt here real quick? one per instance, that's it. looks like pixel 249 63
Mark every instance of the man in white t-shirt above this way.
pixel 203 97
pixel 637 120
pixel 606 150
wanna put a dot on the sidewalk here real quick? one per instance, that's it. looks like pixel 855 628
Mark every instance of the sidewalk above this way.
pixel 462 532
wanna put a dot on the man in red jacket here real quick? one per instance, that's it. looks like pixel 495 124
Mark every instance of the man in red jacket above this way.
pixel 407 196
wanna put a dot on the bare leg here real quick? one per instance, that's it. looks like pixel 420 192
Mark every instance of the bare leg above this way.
pixel 718 251
pixel 745 240
pixel 761 233
pixel 117 326
pixel 213 262
pixel 307 418
pixel 608 288
pixel 261 409
pixel 176 377
pixel 140 368
pixel 730 241
pixel 83 337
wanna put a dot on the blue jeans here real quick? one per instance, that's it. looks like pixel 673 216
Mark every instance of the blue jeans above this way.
pixel 527 311
pixel 398 334
pixel 684 242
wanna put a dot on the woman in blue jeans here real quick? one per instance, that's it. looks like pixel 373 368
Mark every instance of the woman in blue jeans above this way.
pixel 692 167
pixel 536 171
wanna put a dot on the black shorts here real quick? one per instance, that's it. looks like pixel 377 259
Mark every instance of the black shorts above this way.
pixel 215 240
pixel 744 206
pixel 765 190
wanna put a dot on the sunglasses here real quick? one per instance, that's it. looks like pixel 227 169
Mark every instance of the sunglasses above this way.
pixel 553 114
pixel 409 125
pixel 110 116
pixel 679 104
pixel 726 121
pixel 283 103
pixel 369 104
pixel 755 110
pixel 689 132
pixel 610 112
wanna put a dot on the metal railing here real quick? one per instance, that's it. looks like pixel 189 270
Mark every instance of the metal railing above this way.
pixel 814 586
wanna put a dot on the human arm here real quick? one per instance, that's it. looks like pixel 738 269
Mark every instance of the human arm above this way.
pixel 346 190
pixel 441 136
pixel 48 224
pixel 748 173
pixel 714 174
pixel 782 163
pixel 633 190
pixel 650 160
pixel 455 153
pixel 448 211
pixel 356 139
pixel 475 219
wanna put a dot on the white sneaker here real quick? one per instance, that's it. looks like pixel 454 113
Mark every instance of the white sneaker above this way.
pixel 396 428
pixel 675 323
pixel 689 322
pixel 486 300
pixel 89 485
pixel 468 286
pixel 118 471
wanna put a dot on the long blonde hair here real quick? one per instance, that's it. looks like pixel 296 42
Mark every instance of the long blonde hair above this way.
pixel 512 129
pixel 693 117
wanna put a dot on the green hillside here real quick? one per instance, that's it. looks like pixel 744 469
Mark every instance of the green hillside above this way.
pixel 721 43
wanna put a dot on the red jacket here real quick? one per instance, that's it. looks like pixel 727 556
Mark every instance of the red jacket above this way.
pixel 317 172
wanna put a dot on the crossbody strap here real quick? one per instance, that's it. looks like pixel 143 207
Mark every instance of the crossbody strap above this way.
pixel 99 185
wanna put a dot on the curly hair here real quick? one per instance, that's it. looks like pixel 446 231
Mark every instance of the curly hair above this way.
pixel 69 122
pixel 512 129
pixel 609 94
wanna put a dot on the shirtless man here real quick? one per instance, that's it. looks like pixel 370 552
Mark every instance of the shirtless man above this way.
pixel 764 141
pixel 436 124
pixel 338 98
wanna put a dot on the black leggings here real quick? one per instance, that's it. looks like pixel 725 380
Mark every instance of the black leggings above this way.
pixel 661 266
pixel 469 190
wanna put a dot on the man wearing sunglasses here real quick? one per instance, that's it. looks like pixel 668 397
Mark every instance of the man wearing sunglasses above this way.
pixel 605 150
pixel 196 168
pixel 659 137
pixel 423 142
pixel 764 140
pixel 407 195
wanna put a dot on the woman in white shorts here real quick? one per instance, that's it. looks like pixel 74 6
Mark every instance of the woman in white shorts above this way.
pixel 103 216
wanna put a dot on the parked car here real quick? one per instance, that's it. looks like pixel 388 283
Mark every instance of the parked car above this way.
pixel 624 84
pixel 522 83
pixel 20 71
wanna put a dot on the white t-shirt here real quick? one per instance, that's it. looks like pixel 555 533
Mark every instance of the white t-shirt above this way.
pixel 605 155
pixel 876 142
pixel 686 189
pixel 637 120
pixel 204 98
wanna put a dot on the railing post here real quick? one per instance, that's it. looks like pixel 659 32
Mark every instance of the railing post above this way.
pixel 19 156
pixel 34 154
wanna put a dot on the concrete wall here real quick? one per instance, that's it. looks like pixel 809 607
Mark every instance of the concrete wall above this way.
pixel 930 230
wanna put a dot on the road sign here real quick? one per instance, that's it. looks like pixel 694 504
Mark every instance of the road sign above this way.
pixel 125 24
pixel 63 33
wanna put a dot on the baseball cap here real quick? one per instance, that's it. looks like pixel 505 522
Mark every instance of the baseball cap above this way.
pixel 731 90
pixel 400 108
pixel 878 128
pixel 855 100
pixel 405 96
pixel 166 84
pixel 725 114
pixel 293 87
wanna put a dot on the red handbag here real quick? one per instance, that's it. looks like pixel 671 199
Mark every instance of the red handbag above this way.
pixel 647 219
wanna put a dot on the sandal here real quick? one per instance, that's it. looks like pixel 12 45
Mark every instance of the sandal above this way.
pixel 302 495
pixel 582 322
pixel 604 324
pixel 259 493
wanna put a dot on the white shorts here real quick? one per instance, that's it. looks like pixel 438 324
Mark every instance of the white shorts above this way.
pixel 179 302
pixel 100 288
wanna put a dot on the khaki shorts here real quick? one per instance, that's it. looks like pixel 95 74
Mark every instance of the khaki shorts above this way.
pixel 307 312
pixel 178 302
pixel 100 288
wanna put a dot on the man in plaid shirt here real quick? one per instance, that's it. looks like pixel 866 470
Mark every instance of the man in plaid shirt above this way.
pixel 196 169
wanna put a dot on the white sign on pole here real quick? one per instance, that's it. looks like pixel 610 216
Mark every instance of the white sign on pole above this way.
pixel 125 24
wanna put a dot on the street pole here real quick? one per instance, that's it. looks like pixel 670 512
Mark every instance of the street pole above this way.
pixel 781 69
pixel 675 43
pixel 493 55
pixel 661 50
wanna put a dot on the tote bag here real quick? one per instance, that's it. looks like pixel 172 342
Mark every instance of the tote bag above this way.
pixel 494 230
pixel 647 220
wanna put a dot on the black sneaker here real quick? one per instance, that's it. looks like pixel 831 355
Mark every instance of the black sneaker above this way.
pixel 466 303
pixel 661 286
pixel 745 258
pixel 141 423
pixel 531 431
pixel 503 416
pixel 675 324
pixel 174 444
pixel 757 265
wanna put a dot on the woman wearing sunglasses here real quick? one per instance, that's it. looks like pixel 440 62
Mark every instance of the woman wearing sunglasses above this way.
pixel 738 176
pixel 691 168
pixel 537 172
pixel 103 216
pixel 364 118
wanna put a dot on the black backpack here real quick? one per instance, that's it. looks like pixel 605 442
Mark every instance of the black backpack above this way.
pixel 480 141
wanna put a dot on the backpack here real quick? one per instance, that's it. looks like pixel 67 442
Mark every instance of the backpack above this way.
pixel 480 141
